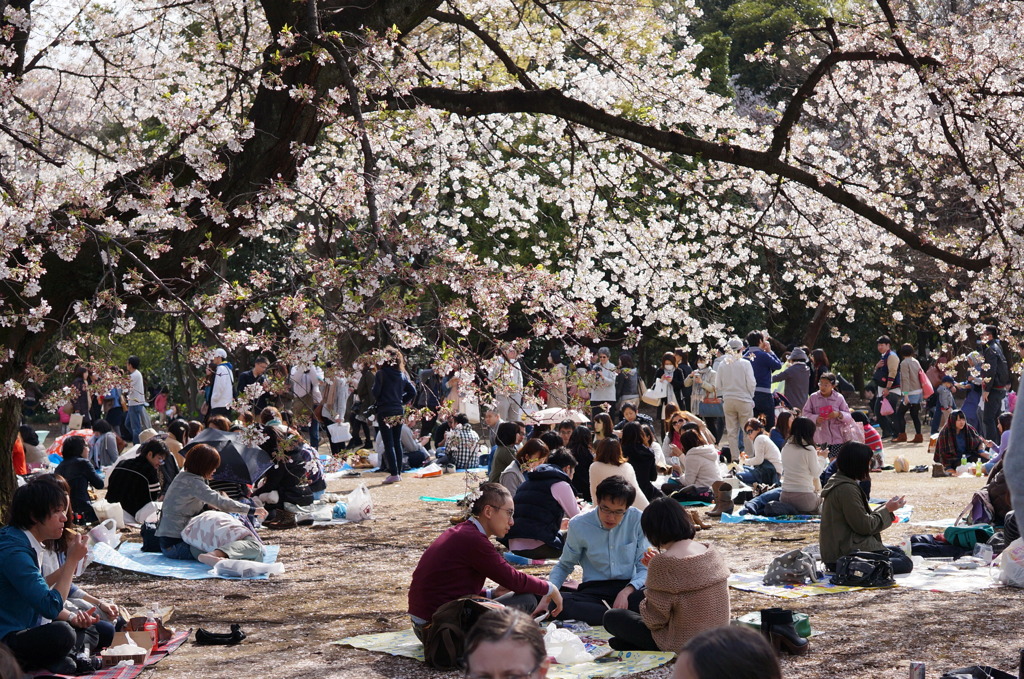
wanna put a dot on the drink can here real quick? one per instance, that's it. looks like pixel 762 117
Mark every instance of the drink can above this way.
pixel 917 670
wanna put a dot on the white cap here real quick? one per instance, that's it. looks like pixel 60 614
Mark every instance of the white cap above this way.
pixel 735 344
pixel 220 352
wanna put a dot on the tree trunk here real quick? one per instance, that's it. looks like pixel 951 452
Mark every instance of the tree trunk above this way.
pixel 10 419
pixel 817 324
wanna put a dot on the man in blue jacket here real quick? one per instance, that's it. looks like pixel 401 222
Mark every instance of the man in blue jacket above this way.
pixel 759 353
pixel 38 512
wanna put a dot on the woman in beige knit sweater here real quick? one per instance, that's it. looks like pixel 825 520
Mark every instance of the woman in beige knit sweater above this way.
pixel 687 588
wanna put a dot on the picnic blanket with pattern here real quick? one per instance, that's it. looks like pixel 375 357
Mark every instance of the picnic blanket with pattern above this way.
pixel 130 557
pixel 132 671
pixel 923 577
pixel 406 644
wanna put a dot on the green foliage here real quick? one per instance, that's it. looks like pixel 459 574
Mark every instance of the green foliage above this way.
pixel 732 31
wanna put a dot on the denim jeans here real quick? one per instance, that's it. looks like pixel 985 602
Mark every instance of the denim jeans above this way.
pixel 764 404
pixel 177 549
pixel 135 420
pixel 762 473
pixel 758 504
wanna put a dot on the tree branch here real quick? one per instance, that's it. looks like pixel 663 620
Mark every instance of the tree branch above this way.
pixel 553 102
pixel 795 107
pixel 460 19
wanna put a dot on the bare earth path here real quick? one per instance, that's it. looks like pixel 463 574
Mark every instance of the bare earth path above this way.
pixel 352 579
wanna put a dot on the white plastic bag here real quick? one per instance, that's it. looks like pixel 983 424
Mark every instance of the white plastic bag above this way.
pixel 109 510
pixel 239 568
pixel 565 647
pixel 1011 564
pixel 359 504
pixel 106 532
pixel 340 432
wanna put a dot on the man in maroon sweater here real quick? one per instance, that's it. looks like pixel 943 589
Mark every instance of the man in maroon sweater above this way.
pixel 458 562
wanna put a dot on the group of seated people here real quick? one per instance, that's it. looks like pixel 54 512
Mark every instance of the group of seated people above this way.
pixel 46 621
pixel 645 595
pixel 142 476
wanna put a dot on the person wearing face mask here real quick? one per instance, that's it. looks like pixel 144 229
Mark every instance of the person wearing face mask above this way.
pixel 674 379
pixel 702 381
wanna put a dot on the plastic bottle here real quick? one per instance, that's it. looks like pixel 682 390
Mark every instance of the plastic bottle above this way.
pixel 979 469
pixel 963 460
pixel 153 629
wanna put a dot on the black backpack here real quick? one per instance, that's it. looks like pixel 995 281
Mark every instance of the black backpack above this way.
pixel 444 640
pixel 864 569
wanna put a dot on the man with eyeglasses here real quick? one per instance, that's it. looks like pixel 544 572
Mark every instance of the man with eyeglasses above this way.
pixel 458 563
pixel 608 544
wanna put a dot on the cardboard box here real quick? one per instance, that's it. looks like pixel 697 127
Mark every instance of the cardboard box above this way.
pixel 137 623
pixel 140 639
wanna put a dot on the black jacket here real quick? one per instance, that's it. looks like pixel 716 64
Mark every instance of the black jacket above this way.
pixel 539 516
pixel 134 483
pixel 79 474
pixel 646 468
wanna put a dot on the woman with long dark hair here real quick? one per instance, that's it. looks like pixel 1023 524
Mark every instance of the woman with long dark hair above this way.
pixel 957 441
pixel 641 458
pixel 581 445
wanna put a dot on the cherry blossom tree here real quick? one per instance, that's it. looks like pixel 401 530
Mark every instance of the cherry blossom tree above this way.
pixel 426 169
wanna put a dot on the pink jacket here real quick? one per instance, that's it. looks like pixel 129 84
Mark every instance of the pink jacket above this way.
pixel 832 431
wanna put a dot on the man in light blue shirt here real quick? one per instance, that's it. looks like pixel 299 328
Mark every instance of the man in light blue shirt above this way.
pixel 608 544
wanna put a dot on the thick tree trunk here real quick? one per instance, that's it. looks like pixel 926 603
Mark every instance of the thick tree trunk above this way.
pixel 10 419
pixel 817 324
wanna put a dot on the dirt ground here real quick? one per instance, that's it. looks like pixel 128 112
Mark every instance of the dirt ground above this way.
pixel 352 579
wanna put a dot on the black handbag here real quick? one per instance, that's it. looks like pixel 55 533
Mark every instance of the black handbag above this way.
pixel 864 569
pixel 978 672
pixel 150 542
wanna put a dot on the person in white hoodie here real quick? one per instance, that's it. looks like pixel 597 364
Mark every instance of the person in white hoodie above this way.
pixel 700 461
pixel 735 384
pixel 222 393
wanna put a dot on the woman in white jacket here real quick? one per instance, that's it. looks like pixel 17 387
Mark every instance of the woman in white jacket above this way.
pixel 700 465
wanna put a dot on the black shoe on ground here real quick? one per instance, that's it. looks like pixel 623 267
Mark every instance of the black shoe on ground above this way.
pixel 204 638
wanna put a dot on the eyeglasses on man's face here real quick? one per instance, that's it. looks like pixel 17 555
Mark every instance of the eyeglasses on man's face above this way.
pixel 510 512
pixel 611 512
